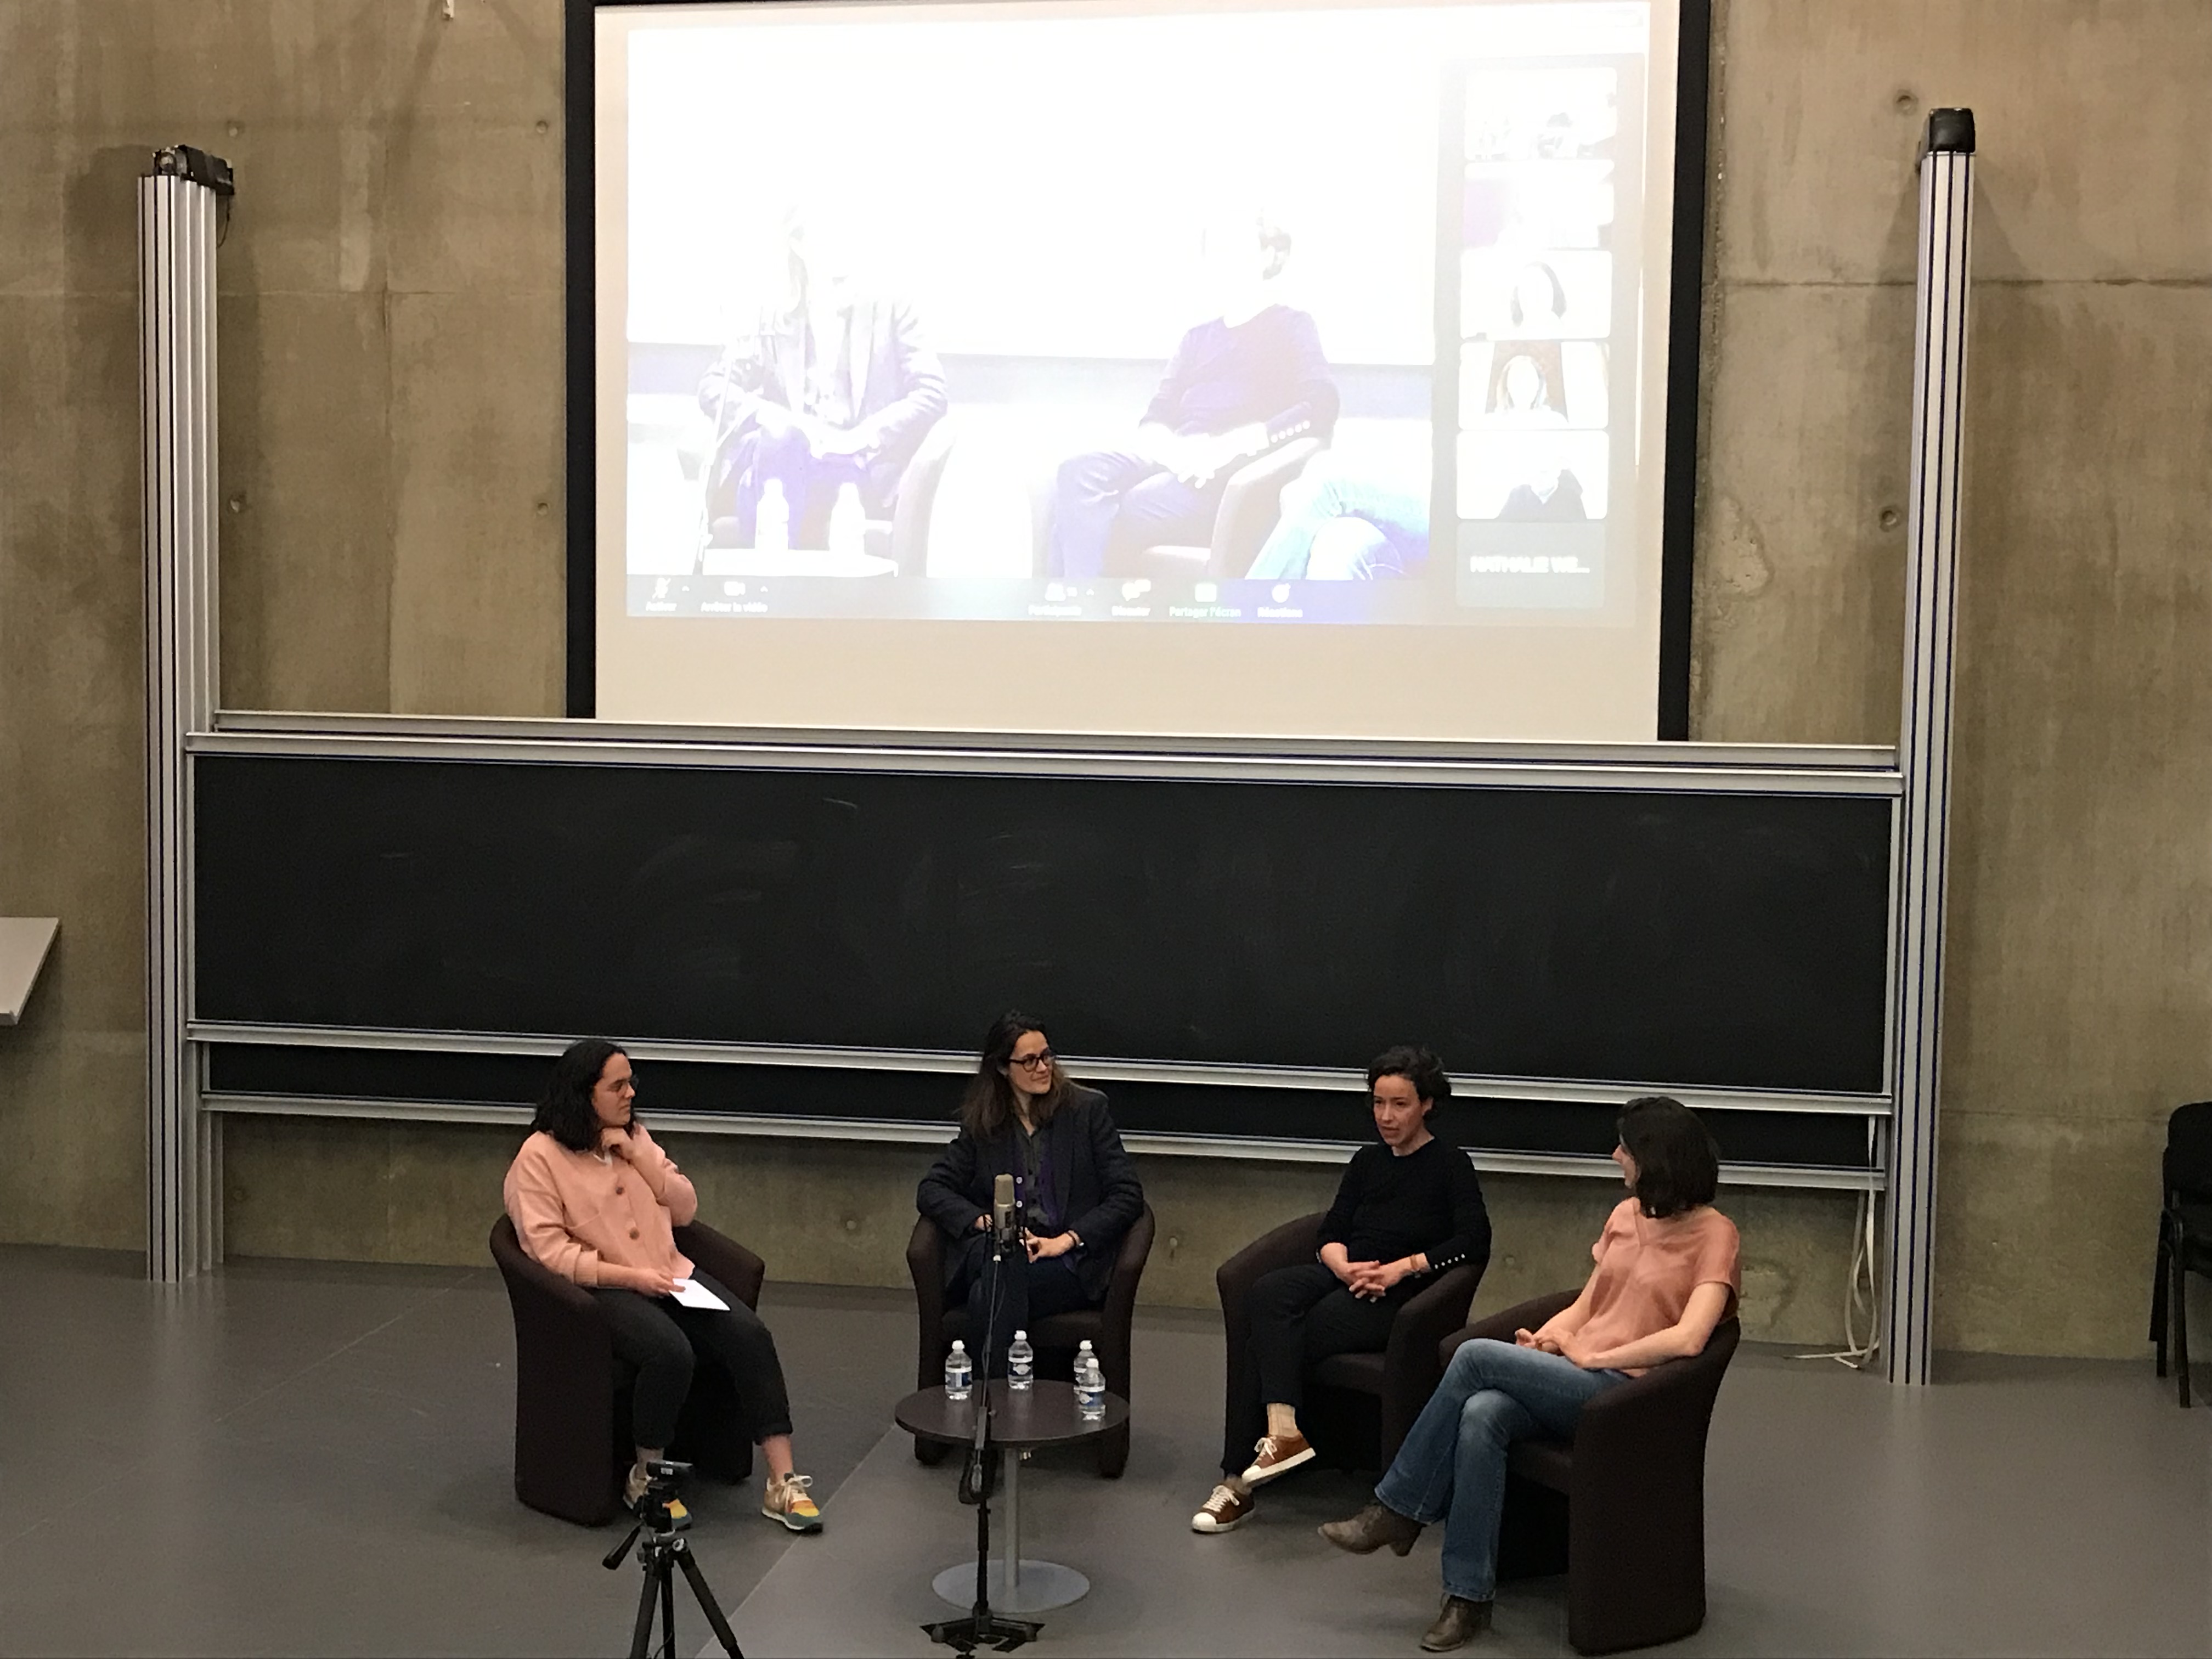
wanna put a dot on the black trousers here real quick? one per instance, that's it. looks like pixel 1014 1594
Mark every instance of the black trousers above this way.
pixel 1112 498
pixel 662 1339
pixel 1299 1315
pixel 1030 1290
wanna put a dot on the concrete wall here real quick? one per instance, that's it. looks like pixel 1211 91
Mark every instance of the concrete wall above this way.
pixel 841 1214
pixel 2079 972
pixel 391 362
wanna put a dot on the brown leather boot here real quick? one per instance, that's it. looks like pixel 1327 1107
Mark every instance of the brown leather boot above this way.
pixel 1459 1622
pixel 1372 1529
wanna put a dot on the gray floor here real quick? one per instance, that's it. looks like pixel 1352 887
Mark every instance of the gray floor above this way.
pixel 305 1458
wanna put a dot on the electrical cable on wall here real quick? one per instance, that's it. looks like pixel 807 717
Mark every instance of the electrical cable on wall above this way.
pixel 1861 1290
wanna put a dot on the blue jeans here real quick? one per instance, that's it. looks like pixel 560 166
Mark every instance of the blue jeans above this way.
pixel 1337 529
pixel 1452 1467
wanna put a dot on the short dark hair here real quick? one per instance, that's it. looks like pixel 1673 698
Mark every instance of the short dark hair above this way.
pixel 988 1104
pixel 564 1110
pixel 1418 1066
pixel 1678 1165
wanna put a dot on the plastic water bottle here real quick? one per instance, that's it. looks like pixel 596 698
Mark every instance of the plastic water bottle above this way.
pixel 1090 1385
pixel 1021 1362
pixel 772 520
pixel 848 522
pixel 959 1372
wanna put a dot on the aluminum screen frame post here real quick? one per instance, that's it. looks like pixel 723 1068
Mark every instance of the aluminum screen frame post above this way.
pixel 181 197
pixel 1923 750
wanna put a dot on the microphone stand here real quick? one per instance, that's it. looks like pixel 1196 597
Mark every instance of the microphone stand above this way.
pixel 982 1627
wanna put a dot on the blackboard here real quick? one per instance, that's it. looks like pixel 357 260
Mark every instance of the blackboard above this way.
pixel 1717 939
pixel 669 1091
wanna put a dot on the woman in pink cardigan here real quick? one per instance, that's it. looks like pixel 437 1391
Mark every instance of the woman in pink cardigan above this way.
pixel 594 1199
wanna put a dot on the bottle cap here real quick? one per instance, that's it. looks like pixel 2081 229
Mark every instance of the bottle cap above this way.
pixel 958 1346
pixel 1021 1336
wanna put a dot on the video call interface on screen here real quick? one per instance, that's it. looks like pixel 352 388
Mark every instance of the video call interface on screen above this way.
pixel 1245 317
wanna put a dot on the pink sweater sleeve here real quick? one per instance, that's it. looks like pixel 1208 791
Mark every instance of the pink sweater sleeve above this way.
pixel 669 1185
pixel 533 1203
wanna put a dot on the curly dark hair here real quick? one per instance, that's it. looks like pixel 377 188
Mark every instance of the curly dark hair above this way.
pixel 988 1104
pixel 1418 1066
pixel 564 1110
pixel 1677 1163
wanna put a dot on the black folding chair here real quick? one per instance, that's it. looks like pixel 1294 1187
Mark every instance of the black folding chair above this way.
pixel 2184 1232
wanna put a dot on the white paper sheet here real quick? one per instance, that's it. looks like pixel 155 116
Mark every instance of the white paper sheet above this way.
pixel 692 1294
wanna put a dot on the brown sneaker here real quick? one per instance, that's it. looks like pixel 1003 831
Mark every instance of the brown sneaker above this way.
pixel 1275 1456
pixel 1372 1529
pixel 786 1500
pixel 1459 1622
pixel 1227 1510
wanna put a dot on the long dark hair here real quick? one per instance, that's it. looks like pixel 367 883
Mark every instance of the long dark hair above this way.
pixel 564 1110
pixel 989 1105
pixel 1677 1163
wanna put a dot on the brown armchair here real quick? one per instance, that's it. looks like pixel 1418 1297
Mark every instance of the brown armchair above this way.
pixel 1359 1405
pixel 906 535
pixel 1621 1508
pixel 571 1444
pixel 1251 501
pixel 1054 1338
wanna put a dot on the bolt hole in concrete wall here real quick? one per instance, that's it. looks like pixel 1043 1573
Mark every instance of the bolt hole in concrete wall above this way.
pixel 392 353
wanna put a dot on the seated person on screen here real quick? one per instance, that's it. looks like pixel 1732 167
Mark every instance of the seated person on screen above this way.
pixel 594 1199
pixel 1336 526
pixel 1551 495
pixel 1522 393
pixel 1023 1116
pixel 832 386
pixel 1408 1207
pixel 1666 1276
pixel 1248 378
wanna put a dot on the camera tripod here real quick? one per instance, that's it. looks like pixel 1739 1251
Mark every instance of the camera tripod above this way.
pixel 661 1550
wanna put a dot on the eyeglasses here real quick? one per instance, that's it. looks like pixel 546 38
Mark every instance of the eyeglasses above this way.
pixel 1039 1061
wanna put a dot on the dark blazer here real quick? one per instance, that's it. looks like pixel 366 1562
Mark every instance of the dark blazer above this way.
pixel 898 387
pixel 1100 1194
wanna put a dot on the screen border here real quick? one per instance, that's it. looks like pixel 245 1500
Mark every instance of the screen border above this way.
pixel 1685 326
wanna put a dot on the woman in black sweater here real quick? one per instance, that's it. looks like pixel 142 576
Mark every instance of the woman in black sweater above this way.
pixel 1408 1207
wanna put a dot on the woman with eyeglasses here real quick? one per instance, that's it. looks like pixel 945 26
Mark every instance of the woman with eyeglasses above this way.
pixel 594 1198
pixel 1022 1116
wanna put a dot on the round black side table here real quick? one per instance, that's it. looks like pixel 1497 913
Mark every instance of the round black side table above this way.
pixel 1042 1414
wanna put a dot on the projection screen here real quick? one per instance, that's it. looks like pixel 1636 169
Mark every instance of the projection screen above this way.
pixel 1250 371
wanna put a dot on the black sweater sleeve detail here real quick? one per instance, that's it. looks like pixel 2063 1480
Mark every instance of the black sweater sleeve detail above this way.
pixel 1470 1236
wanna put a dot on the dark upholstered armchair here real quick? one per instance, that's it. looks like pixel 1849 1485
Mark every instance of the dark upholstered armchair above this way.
pixel 1621 1508
pixel 2184 1232
pixel 1359 1405
pixel 1055 1338
pixel 571 1444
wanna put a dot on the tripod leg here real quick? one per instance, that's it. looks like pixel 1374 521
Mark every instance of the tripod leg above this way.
pixel 641 1639
pixel 710 1607
pixel 668 1607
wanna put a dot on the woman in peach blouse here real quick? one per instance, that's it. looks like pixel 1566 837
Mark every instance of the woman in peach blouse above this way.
pixel 1666 1276
pixel 594 1198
